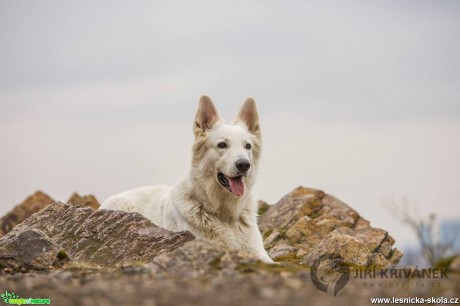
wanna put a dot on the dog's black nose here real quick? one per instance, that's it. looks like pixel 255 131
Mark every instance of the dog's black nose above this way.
pixel 242 164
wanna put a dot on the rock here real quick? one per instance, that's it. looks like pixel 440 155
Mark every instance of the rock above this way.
pixel 352 251
pixel 99 238
pixel 394 257
pixel 379 261
pixel 86 201
pixel 454 265
pixel 283 252
pixel 37 202
pixel 262 207
pixel 302 219
pixel 205 274
pixel 20 212
pixel 29 249
pixel 302 226
pixel 142 264
pixel 201 257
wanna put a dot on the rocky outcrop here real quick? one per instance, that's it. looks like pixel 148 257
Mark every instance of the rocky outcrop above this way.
pixel 454 265
pixel 24 210
pixel 37 202
pixel 203 257
pixel 307 223
pixel 86 200
pixel 100 257
pixel 303 226
pixel 29 249
pixel 202 273
pixel 95 238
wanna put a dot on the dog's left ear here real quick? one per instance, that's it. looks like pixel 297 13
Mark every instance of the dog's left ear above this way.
pixel 248 115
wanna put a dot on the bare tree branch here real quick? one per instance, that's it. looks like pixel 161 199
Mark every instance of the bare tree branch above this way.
pixel 433 246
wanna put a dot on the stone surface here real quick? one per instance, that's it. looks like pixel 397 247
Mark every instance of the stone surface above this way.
pixel 202 257
pixel 37 202
pixel 99 237
pixel 28 249
pixel 292 229
pixel 202 273
pixel 353 251
pixel 22 211
pixel 295 226
pixel 141 264
pixel 86 200
pixel 455 264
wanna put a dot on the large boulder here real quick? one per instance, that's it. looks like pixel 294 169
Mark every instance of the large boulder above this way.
pixel 24 210
pixel 96 238
pixel 37 202
pixel 307 223
pixel 29 249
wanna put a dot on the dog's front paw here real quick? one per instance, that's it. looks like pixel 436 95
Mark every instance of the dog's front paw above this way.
pixel 266 259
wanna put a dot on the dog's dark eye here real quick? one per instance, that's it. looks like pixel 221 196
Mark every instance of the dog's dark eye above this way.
pixel 221 145
pixel 248 146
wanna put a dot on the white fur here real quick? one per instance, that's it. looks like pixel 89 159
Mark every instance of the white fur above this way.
pixel 199 203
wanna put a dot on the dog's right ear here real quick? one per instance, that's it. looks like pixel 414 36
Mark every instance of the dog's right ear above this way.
pixel 206 116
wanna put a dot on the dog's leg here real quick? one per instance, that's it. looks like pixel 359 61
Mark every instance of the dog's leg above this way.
pixel 258 245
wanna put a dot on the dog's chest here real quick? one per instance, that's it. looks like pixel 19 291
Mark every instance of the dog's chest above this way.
pixel 233 233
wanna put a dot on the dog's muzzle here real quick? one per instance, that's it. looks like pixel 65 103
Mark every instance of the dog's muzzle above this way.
pixel 233 184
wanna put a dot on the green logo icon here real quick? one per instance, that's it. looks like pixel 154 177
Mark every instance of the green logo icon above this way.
pixel 14 299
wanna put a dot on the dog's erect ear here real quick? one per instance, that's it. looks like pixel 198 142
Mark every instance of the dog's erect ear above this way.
pixel 206 116
pixel 248 115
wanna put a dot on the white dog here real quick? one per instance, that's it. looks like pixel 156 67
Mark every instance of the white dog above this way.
pixel 213 200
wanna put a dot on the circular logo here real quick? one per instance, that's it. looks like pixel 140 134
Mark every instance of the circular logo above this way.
pixel 330 273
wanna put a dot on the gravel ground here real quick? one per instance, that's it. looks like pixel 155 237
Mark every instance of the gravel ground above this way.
pixel 142 285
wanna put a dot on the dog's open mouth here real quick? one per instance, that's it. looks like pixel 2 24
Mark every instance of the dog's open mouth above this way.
pixel 234 184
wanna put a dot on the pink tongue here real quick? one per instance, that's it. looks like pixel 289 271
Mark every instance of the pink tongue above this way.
pixel 236 186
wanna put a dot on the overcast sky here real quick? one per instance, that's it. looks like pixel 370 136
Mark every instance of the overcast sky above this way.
pixel 358 98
